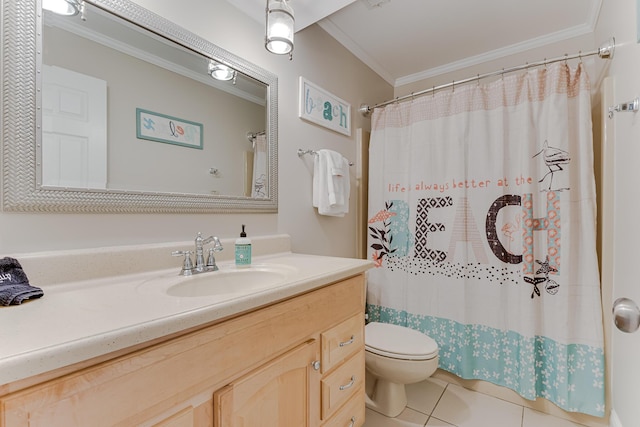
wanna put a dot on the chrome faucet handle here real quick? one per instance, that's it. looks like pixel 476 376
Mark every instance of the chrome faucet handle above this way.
pixel 201 241
pixel 187 265
pixel 217 246
pixel 211 260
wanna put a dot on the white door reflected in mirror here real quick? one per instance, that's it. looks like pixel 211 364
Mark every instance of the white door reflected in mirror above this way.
pixel 74 129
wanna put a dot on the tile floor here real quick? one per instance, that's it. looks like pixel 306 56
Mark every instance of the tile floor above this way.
pixel 436 403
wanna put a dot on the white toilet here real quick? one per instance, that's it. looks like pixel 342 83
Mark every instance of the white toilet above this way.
pixel 395 356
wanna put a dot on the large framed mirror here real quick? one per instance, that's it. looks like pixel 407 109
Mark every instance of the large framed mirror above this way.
pixel 117 110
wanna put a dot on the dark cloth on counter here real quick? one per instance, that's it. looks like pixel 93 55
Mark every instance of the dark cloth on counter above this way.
pixel 14 284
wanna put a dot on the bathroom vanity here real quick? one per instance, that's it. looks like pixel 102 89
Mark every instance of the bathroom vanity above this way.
pixel 291 354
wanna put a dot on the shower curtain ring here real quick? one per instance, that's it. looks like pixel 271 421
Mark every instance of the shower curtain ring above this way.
pixel 433 92
pixel 478 79
pixel 566 56
pixel 580 56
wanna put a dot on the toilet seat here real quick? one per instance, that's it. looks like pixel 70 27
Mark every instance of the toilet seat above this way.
pixel 398 342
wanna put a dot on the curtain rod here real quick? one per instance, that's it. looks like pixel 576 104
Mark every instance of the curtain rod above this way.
pixel 605 51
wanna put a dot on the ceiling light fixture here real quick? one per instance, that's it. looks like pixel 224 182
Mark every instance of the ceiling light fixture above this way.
pixel 221 72
pixel 63 7
pixel 280 28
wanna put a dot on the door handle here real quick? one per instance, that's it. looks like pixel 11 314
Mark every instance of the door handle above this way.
pixel 626 315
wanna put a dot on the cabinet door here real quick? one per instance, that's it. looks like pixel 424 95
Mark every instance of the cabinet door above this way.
pixel 283 392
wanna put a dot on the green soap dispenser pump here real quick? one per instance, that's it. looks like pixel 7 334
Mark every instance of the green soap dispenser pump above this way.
pixel 243 250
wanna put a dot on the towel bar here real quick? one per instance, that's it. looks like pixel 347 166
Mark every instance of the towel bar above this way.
pixel 302 152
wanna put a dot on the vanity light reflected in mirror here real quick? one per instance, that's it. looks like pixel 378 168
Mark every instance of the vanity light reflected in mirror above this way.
pixel 63 7
pixel 221 72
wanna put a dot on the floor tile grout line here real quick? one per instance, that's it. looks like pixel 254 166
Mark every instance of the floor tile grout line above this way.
pixel 438 401
pixel 479 392
pixel 434 406
pixel 436 418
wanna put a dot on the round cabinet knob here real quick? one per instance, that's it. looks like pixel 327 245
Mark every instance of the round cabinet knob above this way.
pixel 626 315
pixel 316 365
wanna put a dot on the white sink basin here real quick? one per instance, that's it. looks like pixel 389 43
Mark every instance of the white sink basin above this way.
pixel 228 281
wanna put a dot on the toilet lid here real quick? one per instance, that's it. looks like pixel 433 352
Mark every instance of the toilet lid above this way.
pixel 398 342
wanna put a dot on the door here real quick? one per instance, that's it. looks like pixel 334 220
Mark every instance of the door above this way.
pixel 284 392
pixel 74 129
pixel 620 256
pixel 362 186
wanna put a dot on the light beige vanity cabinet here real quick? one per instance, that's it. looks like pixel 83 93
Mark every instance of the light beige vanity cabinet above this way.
pixel 298 362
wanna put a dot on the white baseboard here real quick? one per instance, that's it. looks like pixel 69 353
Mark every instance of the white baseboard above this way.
pixel 614 421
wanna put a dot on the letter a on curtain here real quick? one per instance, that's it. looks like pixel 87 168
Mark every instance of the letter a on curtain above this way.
pixel 482 228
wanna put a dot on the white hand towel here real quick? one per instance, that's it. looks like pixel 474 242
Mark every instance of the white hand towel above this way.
pixel 319 171
pixel 331 185
pixel 260 161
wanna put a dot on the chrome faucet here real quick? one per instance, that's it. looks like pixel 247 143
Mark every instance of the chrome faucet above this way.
pixel 188 268
pixel 211 261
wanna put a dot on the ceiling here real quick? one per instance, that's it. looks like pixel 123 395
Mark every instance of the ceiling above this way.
pixel 409 40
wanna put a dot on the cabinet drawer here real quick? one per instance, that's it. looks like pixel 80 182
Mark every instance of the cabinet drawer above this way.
pixel 341 341
pixel 351 414
pixel 342 384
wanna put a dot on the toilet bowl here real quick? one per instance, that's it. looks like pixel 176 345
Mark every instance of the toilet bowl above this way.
pixel 395 356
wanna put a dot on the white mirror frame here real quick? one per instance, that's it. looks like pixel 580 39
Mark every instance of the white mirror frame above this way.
pixel 22 120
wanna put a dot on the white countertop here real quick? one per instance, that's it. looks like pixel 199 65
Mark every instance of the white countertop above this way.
pixel 77 321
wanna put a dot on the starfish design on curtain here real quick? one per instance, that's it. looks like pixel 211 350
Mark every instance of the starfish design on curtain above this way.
pixel 552 286
pixel 545 268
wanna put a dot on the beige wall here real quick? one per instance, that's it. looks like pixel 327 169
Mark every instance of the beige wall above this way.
pixel 317 57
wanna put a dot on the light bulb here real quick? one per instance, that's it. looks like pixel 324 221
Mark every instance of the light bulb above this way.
pixel 221 72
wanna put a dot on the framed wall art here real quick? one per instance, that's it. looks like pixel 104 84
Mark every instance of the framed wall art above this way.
pixel 170 130
pixel 323 108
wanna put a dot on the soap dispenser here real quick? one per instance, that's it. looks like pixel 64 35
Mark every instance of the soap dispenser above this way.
pixel 243 250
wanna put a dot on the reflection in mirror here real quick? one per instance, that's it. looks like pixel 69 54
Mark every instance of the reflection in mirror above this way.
pixel 128 70
pixel 138 120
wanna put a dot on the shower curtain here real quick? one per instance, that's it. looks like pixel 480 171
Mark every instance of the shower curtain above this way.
pixel 482 228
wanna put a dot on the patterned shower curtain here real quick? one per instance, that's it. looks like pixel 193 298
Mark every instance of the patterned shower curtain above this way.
pixel 482 228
